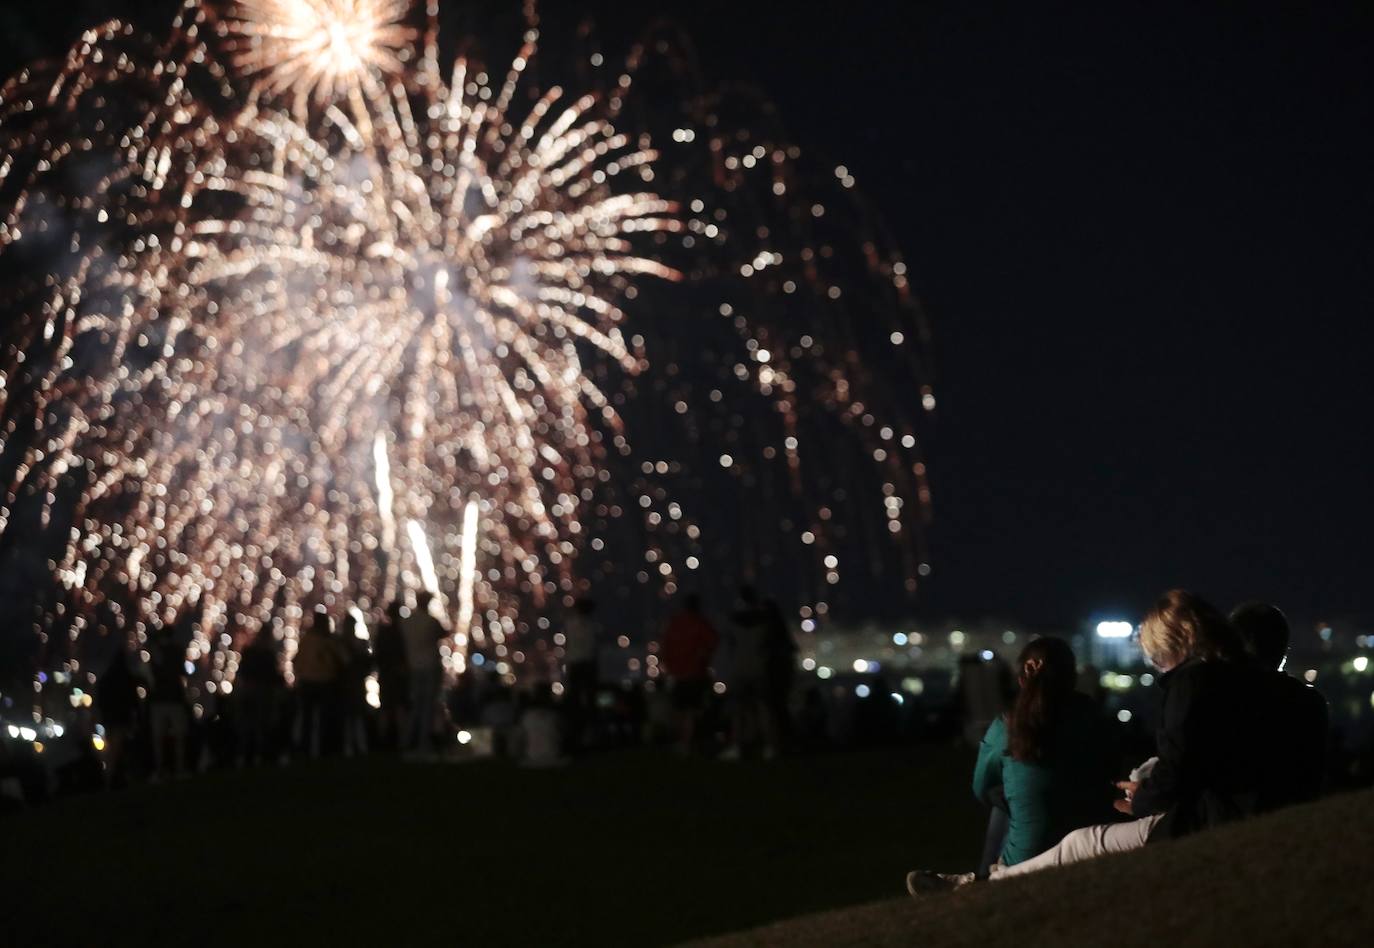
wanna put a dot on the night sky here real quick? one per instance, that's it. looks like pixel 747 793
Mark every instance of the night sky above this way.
pixel 1143 236
pixel 1142 233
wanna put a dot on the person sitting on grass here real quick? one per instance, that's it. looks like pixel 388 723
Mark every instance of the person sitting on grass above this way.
pixel 1295 764
pixel 1210 740
pixel 1048 762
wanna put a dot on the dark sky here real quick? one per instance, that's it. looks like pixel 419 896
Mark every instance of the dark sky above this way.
pixel 1143 235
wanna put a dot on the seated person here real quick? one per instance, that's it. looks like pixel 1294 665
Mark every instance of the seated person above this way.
pixel 1295 759
pixel 1209 740
pixel 1047 761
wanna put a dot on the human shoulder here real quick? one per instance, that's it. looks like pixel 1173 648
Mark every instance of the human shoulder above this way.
pixel 996 734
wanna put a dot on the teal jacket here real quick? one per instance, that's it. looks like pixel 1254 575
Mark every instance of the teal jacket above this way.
pixel 1070 788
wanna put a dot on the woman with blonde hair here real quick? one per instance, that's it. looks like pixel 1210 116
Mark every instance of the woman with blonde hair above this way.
pixel 1209 767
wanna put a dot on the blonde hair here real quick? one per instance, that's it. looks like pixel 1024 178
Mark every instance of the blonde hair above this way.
pixel 1183 625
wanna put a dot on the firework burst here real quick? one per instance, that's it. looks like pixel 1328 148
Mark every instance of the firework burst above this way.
pixel 335 322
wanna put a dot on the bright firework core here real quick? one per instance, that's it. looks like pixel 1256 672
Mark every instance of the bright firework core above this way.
pixel 333 324
pixel 320 47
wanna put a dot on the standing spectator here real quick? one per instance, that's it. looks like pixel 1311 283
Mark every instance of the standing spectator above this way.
pixel 752 721
pixel 689 642
pixel 257 692
pixel 116 700
pixel 393 677
pixel 581 656
pixel 985 692
pixel 539 734
pixel 422 633
pixel 781 660
pixel 353 687
pixel 168 716
pixel 318 664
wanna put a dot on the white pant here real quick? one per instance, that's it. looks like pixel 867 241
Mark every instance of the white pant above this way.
pixel 1086 843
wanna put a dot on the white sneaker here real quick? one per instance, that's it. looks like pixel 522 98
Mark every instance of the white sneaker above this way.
pixel 920 882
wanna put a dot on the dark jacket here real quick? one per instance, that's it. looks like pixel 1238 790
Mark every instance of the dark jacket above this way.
pixel 1295 763
pixel 1212 744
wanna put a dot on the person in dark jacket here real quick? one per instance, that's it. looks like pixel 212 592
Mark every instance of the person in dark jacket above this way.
pixel 258 690
pixel 1210 741
pixel 117 702
pixel 393 677
pixel 1295 763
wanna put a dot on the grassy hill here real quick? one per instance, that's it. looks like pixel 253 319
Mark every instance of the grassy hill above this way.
pixel 1300 877
pixel 632 849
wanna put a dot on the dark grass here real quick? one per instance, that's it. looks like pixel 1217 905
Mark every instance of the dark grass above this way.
pixel 625 849
pixel 1299 877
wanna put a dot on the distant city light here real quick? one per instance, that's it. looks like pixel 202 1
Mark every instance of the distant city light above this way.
pixel 956 638
pixel 1114 630
pixel 862 691
pixel 1123 715
pixel 899 638
pixel 986 655
pixel 1361 663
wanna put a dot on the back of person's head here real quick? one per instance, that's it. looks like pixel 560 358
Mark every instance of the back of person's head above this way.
pixel 1183 625
pixel 1046 671
pixel 691 602
pixel 1265 631
pixel 321 624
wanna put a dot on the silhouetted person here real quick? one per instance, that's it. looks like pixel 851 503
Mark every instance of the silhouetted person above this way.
pixel 985 690
pixel 581 670
pixel 752 718
pixel 169 718
pixel 318 663
pixel 1295 761
pixel 422 633
pixel 689 643
pixel 393 676
pixel 116 701
pixel 1090 684
pixel 353 687
pixel 540 731
pixel 780 651
pixel 258 690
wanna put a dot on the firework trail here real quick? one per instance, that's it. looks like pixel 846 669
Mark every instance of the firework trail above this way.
pixel 290 303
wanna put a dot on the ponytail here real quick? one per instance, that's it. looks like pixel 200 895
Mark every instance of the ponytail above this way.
pixel 1045 672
